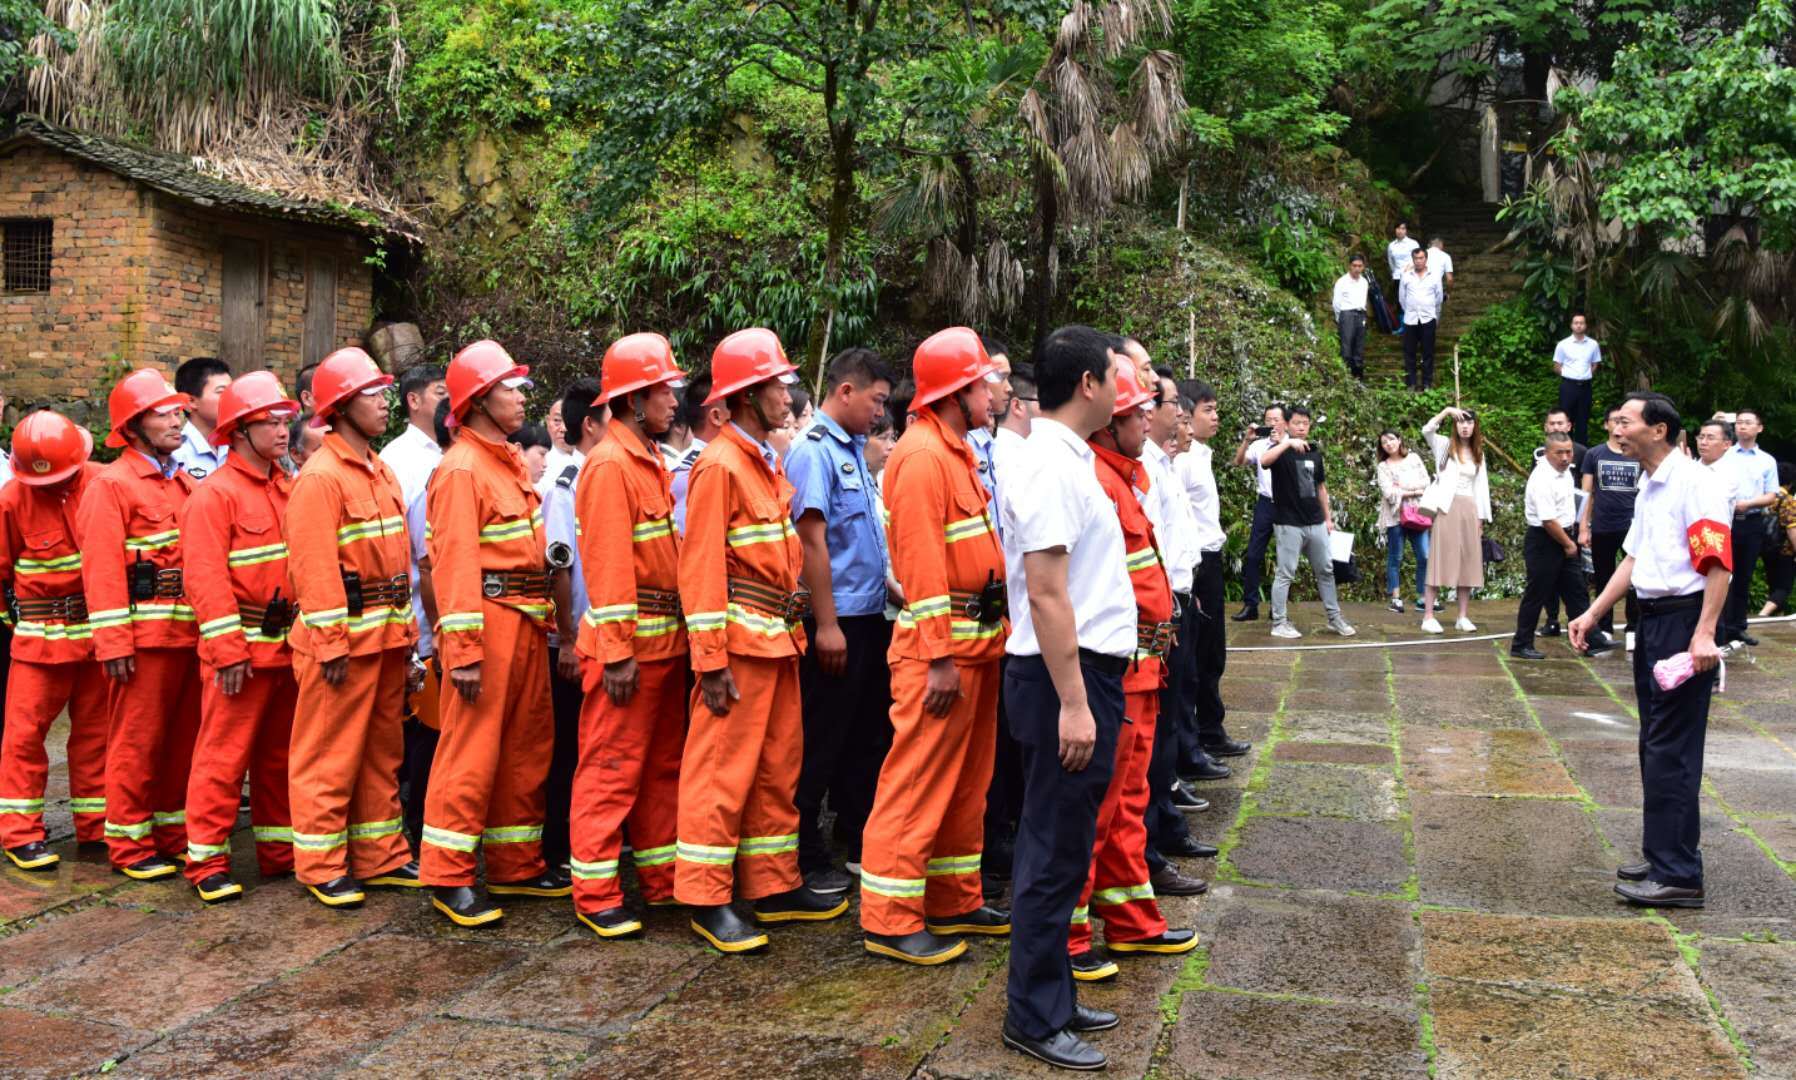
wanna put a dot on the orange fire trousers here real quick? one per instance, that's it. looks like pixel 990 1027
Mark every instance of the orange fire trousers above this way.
pixel 920 852
pixel 628 775
pixel 486 784
pixel 343 769
pixel 154 717
pixel 249 731
pixel 36 694
pixel 1117 889
pixel 738 825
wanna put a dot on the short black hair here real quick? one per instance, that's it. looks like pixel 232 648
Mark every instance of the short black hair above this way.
pixel 417 379
pixel 1292 412
pixel 1066 357
pixel 1401 224
pixel 577 404
pixel 1756 415
pixel 1356 257
pixel 1198 391
pixel 800 398
pixel 530 435
pixel 440 425
pixel 1284 411
pixel 1655 409
pixel 1022 380
pixel 994 346
pixel 1556 410
pixel 860 366
pixel 302 383
pixel 1558 437
pixel 692 406
pixel 191 376
pixel 882 423
pixel 1165 371
pixel 297 428
pixel 1726 429
pixel 899 404
pixel 1786 473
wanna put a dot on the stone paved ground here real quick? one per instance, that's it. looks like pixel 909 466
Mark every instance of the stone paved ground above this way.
pixel 1415 881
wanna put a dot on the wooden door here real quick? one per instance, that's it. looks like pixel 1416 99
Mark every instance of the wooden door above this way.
pixel 240 321
pixel 321 308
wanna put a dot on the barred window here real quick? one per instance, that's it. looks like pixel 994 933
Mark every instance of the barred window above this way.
pixel 25 248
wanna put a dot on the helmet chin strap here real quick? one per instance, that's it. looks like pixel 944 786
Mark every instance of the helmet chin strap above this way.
pixel 754 400
pixel 966 414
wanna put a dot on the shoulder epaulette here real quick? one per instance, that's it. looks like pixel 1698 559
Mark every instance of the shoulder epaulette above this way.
pixel 566 479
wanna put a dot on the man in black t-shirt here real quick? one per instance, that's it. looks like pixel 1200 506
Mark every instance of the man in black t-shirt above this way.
pixel 1611 480
pixel 1301 522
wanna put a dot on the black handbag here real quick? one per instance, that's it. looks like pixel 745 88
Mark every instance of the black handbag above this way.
pixel 1493 551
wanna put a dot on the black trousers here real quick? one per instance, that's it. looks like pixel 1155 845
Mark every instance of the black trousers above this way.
pixel 565 696
pixel 1673 727
pixel 1780 576
pixel 1551 572
pixel 1749 538
pixel 1605 556
pixel 414 772
pixel 1418 353
pixel 1004 796
pixel 1175 737
pixel 847 733
pixel 1258 539
pixel 1352 327
pixel 1207 628
pixel 1053 843
pixel 1574 398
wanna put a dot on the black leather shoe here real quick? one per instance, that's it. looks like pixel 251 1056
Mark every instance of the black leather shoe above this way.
pixel 1188 848
pixel 1086 1018
pixel 1529 653
pixel 1226 747
pixel 922 947
pixel 340 892
pixel 984 919
pixel 613 922
pixel 400 877
pixel 1599 643
pixel 1248 613
pixel 726 930
pixel 1093 966
pixel 549 883
pixel 1551 629
pixel 466 905
pixel 1207 769
pixel 828 881
pixel 33 856
pixel 1186 799
pixel 802 904
pixel 150 869
pixel 1170 881
pixel 1063 1049
pixel 1659 894
pixel 217 888
pixel 1172 941
pixel 1636 871
pixel 1748 640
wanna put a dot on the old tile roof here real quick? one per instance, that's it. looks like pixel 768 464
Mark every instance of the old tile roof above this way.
pixel 178 176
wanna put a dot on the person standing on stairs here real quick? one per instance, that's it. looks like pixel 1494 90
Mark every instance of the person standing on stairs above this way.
pixel 1440 264
pixel 1399 251
pixel 1420 294
pixel 1574 361
pixel 1350 315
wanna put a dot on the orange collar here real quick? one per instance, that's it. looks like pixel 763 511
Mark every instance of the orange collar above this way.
pixel 956 445
pixel 632 445
pixel 1130 469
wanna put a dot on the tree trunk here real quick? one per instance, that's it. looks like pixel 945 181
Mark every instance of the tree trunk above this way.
pixel 1047 205
pixel 842 141
pixel 967 229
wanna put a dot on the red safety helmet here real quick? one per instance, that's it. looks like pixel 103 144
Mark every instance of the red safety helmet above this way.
pixel 48 448
pixel 344 374
pixel 947 361
pixel 1130 394
pixel 477 369
pixel 246 399
pixel 745 358
pixel 635 362
pixel 136 394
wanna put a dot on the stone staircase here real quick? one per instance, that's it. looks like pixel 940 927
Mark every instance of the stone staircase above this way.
pixel 1481 278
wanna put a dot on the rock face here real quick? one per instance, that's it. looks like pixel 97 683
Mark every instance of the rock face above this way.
pixel 396 346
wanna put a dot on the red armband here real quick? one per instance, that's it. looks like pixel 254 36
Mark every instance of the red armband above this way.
pixel 1711 545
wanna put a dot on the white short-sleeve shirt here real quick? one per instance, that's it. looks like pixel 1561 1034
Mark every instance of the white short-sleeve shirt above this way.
pixel 1578 359
pixel 1550 496
pixel 1056 502
pixel 1677 495
pixel 1262 476
pixel 1169 508
pixel 1196 471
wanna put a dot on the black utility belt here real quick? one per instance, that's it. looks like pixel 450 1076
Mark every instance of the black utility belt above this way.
pixel 70 608
pixel 145 582
pixel 272 619
pixel 770 600
pixel 657 602
pixel 1107 665
pixel 1155 639
pixel 529 584
pixel 988 606
pixel 359 595
pixel 1665 605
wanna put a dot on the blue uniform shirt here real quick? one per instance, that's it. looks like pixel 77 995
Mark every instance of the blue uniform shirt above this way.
pixel 197 455
pixel 828 468
pixel 558 524
pixel 984 445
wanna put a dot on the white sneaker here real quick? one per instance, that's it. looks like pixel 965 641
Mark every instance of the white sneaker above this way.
pixel 1341 627
pixel 1630 641
pixel 1285 630
pixel 1464 626
pixel 1432 625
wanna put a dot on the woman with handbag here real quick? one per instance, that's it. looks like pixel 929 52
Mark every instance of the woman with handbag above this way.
pixel 1459 499
pixel 1402 480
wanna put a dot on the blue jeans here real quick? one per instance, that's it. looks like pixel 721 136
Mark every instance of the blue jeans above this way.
pixel 1394 538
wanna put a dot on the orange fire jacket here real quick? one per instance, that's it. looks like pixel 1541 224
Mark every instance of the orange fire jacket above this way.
pixel 1121 478
pixel 41 560
pixel 130 513
pixel 233 534
pixel 623 506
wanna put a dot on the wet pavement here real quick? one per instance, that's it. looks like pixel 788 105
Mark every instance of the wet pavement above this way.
pixel 1415 880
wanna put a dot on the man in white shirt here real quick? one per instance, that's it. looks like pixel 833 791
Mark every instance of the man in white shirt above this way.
pixel 1254 443
pixel 1014 422
pixel 1072 636
pixel 1440 264
pixel 1755 473
pixel 1420 295
pixel 1398 252
pixel 562 452
pixel 1680 553
pixel 703 422
pixel 1574 361
pixel 1713 441
pixel 203 379
pixel 1350 315
pixel 1548 549
pixel 1004 797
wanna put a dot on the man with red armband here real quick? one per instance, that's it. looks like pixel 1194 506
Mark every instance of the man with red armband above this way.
pixel 1117 889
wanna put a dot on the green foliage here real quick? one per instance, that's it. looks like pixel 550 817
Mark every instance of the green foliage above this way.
pixel 487 64
pixel 1260 71
pixel 174 52
pixel 20 21
pixel 1298 253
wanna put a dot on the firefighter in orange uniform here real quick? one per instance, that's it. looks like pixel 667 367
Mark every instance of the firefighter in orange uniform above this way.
pixel 143 628
pixel 52 653
pixel 1117 888
pixel 633 718
pixel 488 566
pixel 349 572
pixel 920 880
pixel 233 536
pixel 739 564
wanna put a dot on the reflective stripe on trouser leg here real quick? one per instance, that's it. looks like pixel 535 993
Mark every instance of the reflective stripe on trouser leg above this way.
pixel 914 853
pixel 88 720
pixel 234 739
pixel 492 761
pixel 628 770
pixel 149 744
pixel 1079 933
pixel 1122 896
pixel 270 803
pixel 35 695
pixel 737 777
pixel 343 767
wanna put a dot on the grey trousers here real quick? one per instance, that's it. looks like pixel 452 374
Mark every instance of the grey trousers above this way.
pixel 1312 542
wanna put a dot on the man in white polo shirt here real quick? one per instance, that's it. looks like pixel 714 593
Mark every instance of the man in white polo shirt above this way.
pixel 1574 361
pixel 1548 550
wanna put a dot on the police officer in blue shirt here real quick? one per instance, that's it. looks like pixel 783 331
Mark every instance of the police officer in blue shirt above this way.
pixel 202 378
pixel 843 678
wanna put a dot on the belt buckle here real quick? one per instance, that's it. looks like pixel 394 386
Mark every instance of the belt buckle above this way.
pixel 492 586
